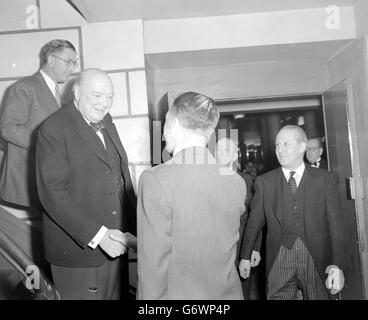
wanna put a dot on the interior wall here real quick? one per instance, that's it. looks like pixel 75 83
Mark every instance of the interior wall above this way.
pixel 361 14
pixel 17 14
pixel 120 54
pixel 352 64
pixel 115 47
pixel 244 80
pixel 255 29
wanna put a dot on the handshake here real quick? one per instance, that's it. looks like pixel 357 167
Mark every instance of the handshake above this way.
pixel 116 243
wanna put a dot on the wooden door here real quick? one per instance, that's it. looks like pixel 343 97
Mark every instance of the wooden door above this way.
pixel 337 105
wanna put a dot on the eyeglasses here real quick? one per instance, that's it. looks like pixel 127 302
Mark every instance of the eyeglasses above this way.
pixel 69 62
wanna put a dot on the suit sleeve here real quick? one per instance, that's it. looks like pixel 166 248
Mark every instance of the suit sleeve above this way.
pixel 154 234
pixel 256 221
pixel 54 190
pixel 14 127
pixel 335 223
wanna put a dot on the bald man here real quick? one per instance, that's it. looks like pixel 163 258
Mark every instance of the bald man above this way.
pixel 305 249
pixel 86 190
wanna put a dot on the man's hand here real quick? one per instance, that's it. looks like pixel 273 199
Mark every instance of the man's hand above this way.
pixel 111 247
pixel 335 280
pixel 244 268
pixel 255 259
pixel 126 239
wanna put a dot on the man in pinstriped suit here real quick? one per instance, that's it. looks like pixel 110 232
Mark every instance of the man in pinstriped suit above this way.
pixel 305 236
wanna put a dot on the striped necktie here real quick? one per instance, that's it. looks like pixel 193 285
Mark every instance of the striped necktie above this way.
pixel 292 182
pixel 57 95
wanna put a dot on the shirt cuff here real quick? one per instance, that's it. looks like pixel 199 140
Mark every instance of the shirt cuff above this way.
pixel 98 237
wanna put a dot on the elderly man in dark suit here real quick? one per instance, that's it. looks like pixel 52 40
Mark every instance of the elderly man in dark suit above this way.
pixel 27 103
pixel 85 187
pixel 314 152
pixel 189 212
pixel 305 236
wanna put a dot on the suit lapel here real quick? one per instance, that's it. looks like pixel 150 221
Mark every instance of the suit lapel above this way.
pixel 311 190
pixel 273 189
pixel 86 134
pixel 114 136
pixel 48 100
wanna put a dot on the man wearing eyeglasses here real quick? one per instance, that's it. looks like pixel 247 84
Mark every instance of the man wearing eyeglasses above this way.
pixel 27 103
pixel 314 152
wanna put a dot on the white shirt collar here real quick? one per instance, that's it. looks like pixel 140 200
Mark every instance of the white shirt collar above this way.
pixel 298 173
pixel 317 163
pixel 50 83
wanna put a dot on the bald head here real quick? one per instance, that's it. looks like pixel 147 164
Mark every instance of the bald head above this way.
pixel 291 143
pixel 93 92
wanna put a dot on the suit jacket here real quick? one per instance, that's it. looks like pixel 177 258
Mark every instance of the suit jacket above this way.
pixel 323 164
pixel 27 103
pixel 188 228
pixel 75 187
pixel 323 220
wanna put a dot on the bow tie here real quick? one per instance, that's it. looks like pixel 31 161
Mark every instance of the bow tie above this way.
pixel 315 164
pixel 97 126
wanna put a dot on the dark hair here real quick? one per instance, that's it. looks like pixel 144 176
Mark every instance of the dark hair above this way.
pixel 52 47
pixel 195 111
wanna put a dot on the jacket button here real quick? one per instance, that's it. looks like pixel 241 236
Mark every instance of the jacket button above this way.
pixel 114 212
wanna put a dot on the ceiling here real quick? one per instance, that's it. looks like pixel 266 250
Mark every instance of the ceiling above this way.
pixel 110 10
pixel 291 52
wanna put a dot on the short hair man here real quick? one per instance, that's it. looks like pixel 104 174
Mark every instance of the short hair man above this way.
pixel 305 235
pixel 189 213
pixel 314 152
pixel 27 103
pixel 85 187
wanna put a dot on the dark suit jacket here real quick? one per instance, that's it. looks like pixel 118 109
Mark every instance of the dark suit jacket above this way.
pixel 323 164
pixel 74 181
pixel 27 103
pixel 324 232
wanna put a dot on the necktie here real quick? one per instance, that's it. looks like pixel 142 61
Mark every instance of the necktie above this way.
pixel 97 126
pixel 57 95
pixel 292 182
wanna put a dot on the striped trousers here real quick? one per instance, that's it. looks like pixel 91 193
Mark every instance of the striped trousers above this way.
pixel 294 276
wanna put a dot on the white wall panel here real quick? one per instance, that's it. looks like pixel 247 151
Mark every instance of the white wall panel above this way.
pixel 134 133
pixel 113 45
pixel 138 92
pixel 120 104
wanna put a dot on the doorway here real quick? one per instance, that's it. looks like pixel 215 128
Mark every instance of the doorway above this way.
pixel 321 116
pixel 257 127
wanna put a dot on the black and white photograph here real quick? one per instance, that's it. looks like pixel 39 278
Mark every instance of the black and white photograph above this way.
pixel 200 152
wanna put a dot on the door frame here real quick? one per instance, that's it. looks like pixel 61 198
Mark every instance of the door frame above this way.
pixel 358 181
